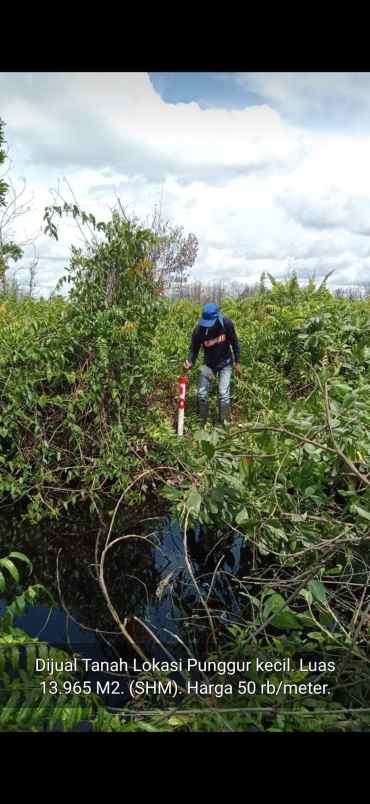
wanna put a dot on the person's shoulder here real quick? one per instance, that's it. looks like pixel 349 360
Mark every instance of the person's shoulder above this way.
pixel 228 323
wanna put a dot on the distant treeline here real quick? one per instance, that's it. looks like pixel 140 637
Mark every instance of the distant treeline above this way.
pixel 197 291
pixel 217 291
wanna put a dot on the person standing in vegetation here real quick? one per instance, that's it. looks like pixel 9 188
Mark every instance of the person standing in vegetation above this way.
pixel 221 347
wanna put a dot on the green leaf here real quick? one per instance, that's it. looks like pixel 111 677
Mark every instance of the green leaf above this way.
pixel 242 516
pixel 194 500
pixel 11 707
pixel 311 449
pixel 2 582
pixel 19 605
pixel 147 726
pixel 208 449
pixel 12 569
pixel 14 657
pixel 31 658
pixel 43 650
pixel 317 635
pixel 335 570
pixel 180 720
pixel 21 556
pixel 307 596
pixel 360 511
pixel 317 590
pixel 285 618
pixel 309 491
pixel 261 547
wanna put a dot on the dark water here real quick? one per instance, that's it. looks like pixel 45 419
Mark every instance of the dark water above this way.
pixel 148 582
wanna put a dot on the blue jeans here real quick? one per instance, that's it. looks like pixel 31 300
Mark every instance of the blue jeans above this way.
pixel 224 379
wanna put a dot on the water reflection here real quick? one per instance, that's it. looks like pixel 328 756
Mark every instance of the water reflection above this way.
pixel 147 579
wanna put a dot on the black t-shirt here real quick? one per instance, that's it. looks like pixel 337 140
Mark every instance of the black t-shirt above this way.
pixel 220 344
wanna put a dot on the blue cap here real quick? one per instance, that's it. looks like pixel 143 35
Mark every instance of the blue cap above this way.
pixel 210 314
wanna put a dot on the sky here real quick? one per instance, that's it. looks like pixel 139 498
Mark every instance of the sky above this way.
pixel 271 171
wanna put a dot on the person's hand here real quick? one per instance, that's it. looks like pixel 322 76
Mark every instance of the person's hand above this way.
pixel 238 369
pixel 187 365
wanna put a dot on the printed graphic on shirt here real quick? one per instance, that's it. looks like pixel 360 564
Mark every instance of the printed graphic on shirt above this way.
pixel 213 342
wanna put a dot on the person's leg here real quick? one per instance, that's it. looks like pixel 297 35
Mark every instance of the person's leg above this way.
pixel 224 392
pixel 203 387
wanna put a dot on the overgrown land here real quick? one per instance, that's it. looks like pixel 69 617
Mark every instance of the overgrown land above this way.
pixel 88 412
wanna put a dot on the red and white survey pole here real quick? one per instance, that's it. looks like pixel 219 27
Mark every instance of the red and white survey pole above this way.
pixel 183 381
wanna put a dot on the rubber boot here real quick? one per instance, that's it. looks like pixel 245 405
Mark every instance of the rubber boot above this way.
pixel 203 410
pixel 225 412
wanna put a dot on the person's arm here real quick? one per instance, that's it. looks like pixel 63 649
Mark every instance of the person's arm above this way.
pixel 235 345
pixel 194 349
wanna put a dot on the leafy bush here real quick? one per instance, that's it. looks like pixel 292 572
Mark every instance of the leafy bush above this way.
pixel 89 387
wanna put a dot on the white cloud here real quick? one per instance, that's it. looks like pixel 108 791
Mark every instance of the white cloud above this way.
pixel 327 99
pixel 117 119
pixel 258 191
